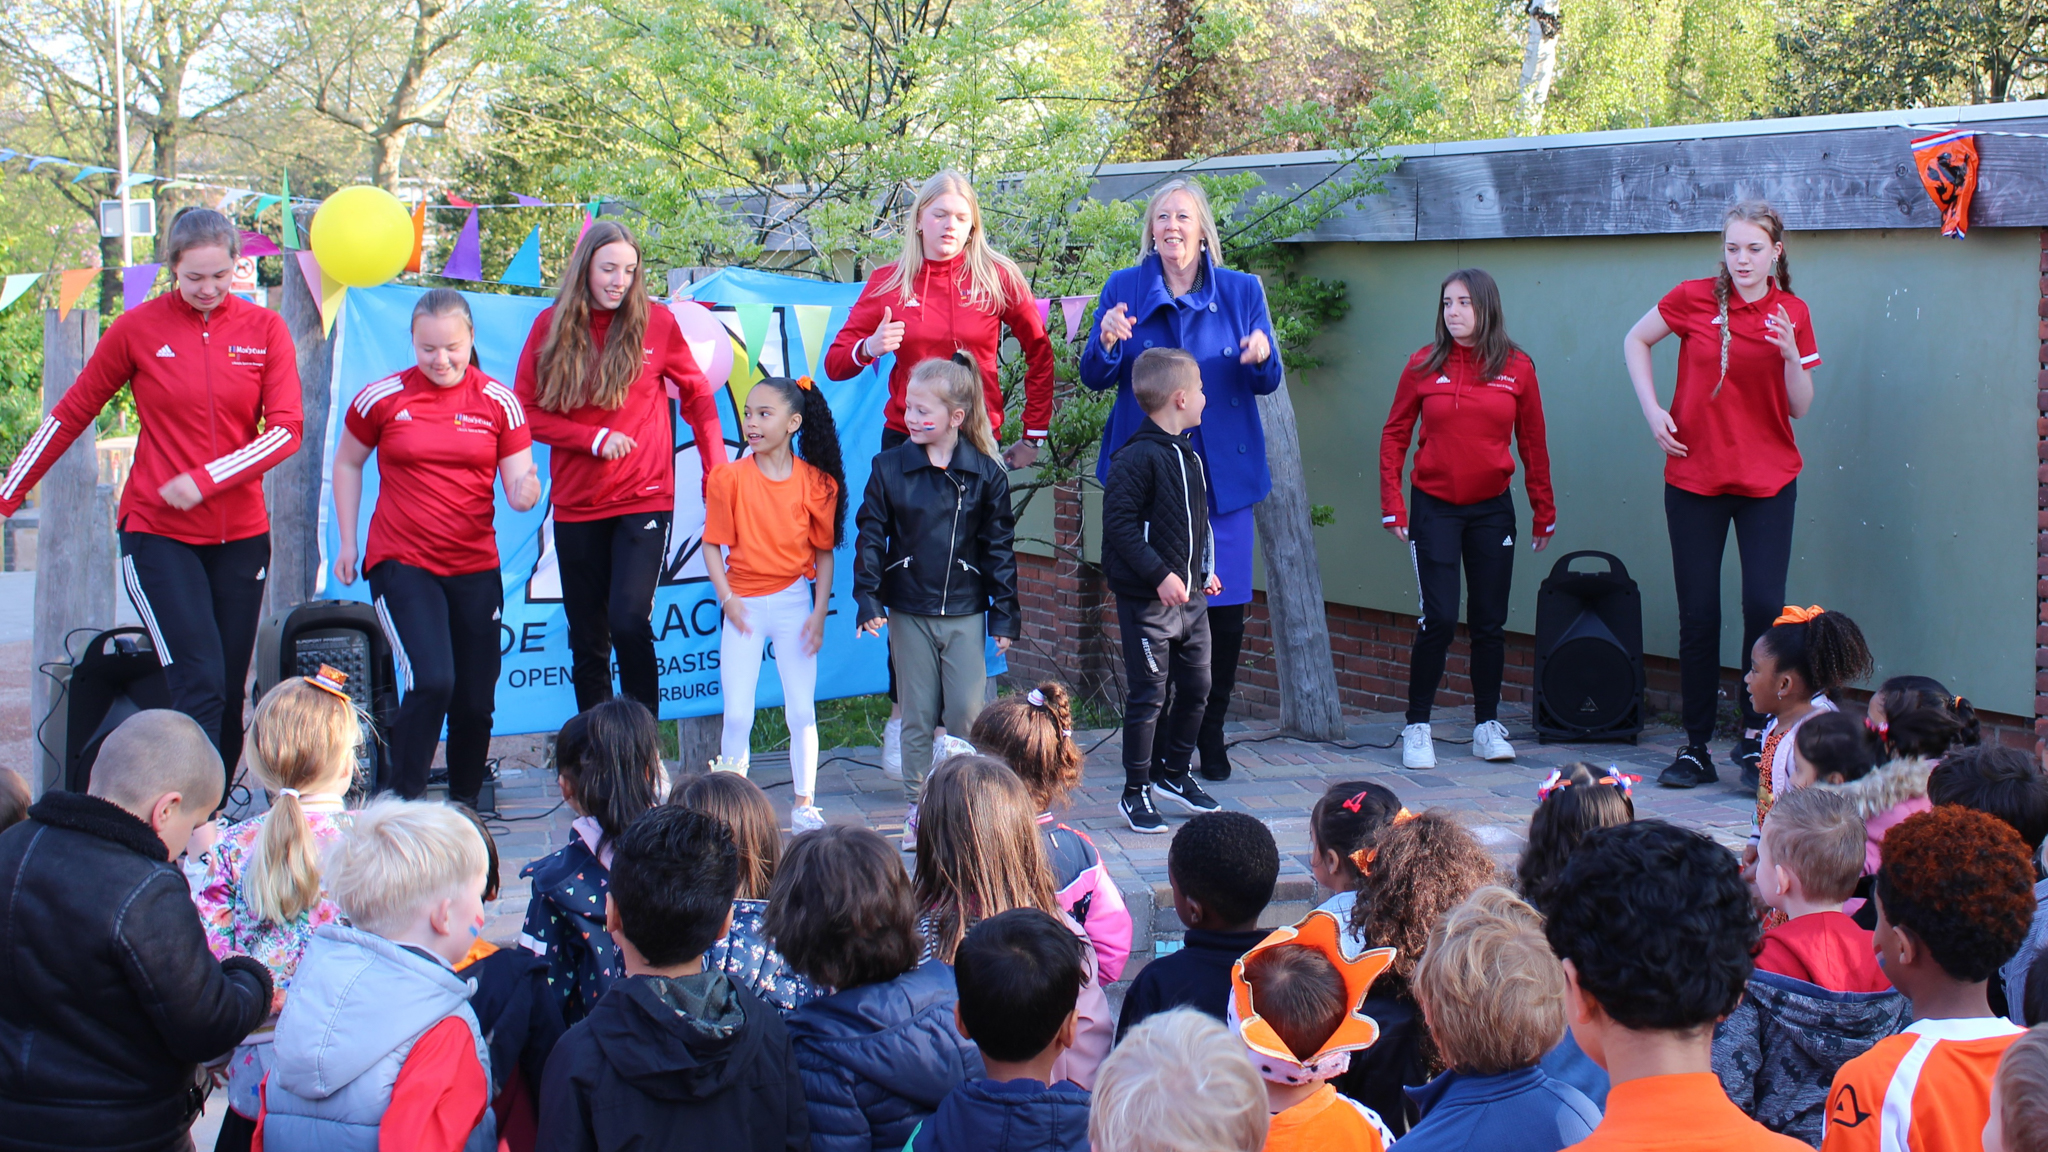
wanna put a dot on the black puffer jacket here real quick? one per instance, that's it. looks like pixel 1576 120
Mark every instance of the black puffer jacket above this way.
pixel 937 541
pixel 1155 515
pixel 109 999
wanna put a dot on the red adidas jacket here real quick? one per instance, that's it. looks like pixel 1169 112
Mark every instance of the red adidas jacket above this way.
pixel 940 319
pixel 586 485
pixel 218 399
pixel 1467 422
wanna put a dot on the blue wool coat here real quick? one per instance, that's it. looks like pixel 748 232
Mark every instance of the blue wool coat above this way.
pixel 876 1060
pixel 1520 1111
pixel 1207 323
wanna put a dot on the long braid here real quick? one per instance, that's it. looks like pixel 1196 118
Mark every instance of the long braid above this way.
pixel 1724 286
pixel 1761 214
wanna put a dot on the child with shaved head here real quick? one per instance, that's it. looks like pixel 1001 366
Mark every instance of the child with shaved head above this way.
pixel 109 983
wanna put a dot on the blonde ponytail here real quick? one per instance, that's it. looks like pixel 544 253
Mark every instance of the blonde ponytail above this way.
pixel 303 735
pixel 958 382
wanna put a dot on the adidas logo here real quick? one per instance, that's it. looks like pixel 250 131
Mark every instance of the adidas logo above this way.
pixel 1508 543
pixel 650 525
pixel 166 353
pixel 403 414
pixel 1443 379
pixel 496 613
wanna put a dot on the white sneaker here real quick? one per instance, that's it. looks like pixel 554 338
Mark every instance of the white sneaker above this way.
pixel 910 828
pixel 805 818
pixel 1490 742
pixel 892 749
pixel 1418 750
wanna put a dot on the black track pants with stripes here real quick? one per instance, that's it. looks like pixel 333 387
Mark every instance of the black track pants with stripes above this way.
pixel 201 604
pixel 444 646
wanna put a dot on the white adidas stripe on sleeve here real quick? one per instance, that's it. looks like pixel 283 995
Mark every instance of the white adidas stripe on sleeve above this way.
pixel 515 415
pixel 25 460
pixel 255 450
pixel 372 393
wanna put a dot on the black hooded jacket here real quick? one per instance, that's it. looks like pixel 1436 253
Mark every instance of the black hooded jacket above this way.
pixel 1155 515
pixel 693 1062
pixel 109 998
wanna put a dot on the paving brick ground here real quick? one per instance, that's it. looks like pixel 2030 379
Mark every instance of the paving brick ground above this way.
pixel 1277 779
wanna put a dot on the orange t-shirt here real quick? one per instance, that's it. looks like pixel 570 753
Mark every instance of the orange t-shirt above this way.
pixel 1927 1089
pixel 774 528
pixel 1687 1112
pixel 1328 1122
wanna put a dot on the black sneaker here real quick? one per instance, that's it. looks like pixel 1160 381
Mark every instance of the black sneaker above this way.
pixel 1749 754
pixel 1693 767
pixel 1180 787
pixel 1215 756
pixel 1139 812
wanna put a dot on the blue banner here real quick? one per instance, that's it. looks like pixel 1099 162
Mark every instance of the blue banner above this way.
pixel 534 689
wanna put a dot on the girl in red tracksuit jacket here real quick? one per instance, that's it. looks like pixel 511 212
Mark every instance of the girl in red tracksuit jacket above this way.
pixel 593 392
pixel 216 386
pixel 1472 390
pixel 949 292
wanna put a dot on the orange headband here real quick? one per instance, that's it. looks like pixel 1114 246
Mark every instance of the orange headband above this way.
pixel 1793 614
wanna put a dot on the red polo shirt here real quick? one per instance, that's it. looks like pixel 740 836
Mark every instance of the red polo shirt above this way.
pixel 1738 443
pixel 437 456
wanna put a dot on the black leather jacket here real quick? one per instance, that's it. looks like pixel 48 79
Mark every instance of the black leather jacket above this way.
pixel 109 998
pixel 937 541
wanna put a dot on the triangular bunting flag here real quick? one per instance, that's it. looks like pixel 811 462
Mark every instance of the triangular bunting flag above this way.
pixel 135 178
pixel 754 319
pixel 88 170
pixel 466 262
pixel 326 290
pixel 70 284
pixel 525 267
pixel 811 320
pixel 419 235
pixel 263 203
pixel 458 201
pixel 7 154
pixel 528 201
pixel 39 161
pixel 589 214
pixel 291 219
pixel 17 284
pixel 136 283
pixel 1070 307
pixel 257 244
pixel 1044 312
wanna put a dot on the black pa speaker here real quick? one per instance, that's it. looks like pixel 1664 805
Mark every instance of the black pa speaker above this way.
pixel 1589 653
pixel 344 635
pixel 117 677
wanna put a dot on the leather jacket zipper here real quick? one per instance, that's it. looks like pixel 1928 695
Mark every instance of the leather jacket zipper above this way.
pixel 1187 506
pixel 952 539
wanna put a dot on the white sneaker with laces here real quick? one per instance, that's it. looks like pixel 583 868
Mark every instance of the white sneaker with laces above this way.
pixel 892 749
pixel 1418 749
pixel 1490 742
pixel 805 818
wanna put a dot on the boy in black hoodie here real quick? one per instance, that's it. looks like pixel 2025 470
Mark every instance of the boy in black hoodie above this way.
pixel 674 1056
pixel 1158 557
pixel 109 998
pixel 1019 975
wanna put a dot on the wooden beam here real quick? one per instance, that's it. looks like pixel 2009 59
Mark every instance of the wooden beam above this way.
pixel 1304 666
pixel 293 487
pixel 74 547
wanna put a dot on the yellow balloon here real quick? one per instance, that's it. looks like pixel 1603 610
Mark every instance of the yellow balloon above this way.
pixel 362 236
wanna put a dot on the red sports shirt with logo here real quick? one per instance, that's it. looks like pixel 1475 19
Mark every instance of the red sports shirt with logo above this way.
pixel 1739 442
pixel 437 457
pixel 585 485
pixel 218 398
pixel 1927 1089
pixel 1467 420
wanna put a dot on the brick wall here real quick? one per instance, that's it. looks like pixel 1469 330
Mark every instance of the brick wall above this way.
pixel 1070 634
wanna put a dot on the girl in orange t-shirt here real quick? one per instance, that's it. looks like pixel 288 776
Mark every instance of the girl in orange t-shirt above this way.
pixel 770 524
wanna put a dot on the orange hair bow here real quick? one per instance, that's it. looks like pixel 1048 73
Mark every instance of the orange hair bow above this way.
pixel 1793 614
pixel 1364 856
pixel 804 382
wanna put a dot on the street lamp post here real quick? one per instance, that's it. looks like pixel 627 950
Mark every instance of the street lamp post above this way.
pixel 121 128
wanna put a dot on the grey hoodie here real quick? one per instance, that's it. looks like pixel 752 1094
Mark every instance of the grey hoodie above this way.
pixel 358 1005
pixel 1778 1052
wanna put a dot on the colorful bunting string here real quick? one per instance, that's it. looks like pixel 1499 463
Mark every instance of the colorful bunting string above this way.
pixel 329 294
pixel 291 223
pixel 1070 307
pixel 419 236
pixel 524 270
pixel 811 322
pixel 136 281
pixel 17 284
pixel 466 259
pixel 70 284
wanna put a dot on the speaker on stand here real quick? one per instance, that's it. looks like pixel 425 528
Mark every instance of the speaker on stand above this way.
pixel 1589 653
pixel 344 635
pixel 116 677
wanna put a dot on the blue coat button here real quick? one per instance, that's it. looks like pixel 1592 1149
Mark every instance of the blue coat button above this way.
pixel 1233 401
pixel 1148 343
pixel 1240 449
pixel 1212 305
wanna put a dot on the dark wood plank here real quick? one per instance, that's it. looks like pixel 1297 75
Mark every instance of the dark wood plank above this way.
pixel 1309 706
pixel 293 487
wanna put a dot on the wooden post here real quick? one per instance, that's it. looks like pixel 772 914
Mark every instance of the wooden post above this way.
pixel 697 742
pixel 74 565
pixel 293 487
pixel 1309 708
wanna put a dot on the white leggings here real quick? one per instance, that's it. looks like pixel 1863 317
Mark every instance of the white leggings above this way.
pixel 778 616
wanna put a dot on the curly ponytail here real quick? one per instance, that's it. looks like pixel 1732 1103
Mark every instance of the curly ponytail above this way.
pixel 1827 651
pixel 1033 732
pixel 817 438
pixel 302 737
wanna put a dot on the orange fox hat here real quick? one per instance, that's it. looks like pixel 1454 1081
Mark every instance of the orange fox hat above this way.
pixel 1274 1060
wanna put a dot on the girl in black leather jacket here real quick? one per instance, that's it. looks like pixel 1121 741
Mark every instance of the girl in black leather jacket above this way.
pixel 934 558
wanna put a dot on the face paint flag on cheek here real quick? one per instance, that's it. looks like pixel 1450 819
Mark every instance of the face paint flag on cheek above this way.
pixel 1948 167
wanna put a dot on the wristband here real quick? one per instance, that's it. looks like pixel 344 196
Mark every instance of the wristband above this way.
pixel 727 600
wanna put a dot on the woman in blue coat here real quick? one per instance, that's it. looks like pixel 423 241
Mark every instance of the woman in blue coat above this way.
pixel 1180 296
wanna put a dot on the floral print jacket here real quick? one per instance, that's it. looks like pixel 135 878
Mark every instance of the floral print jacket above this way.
pixel 746 955
pixel 232 929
